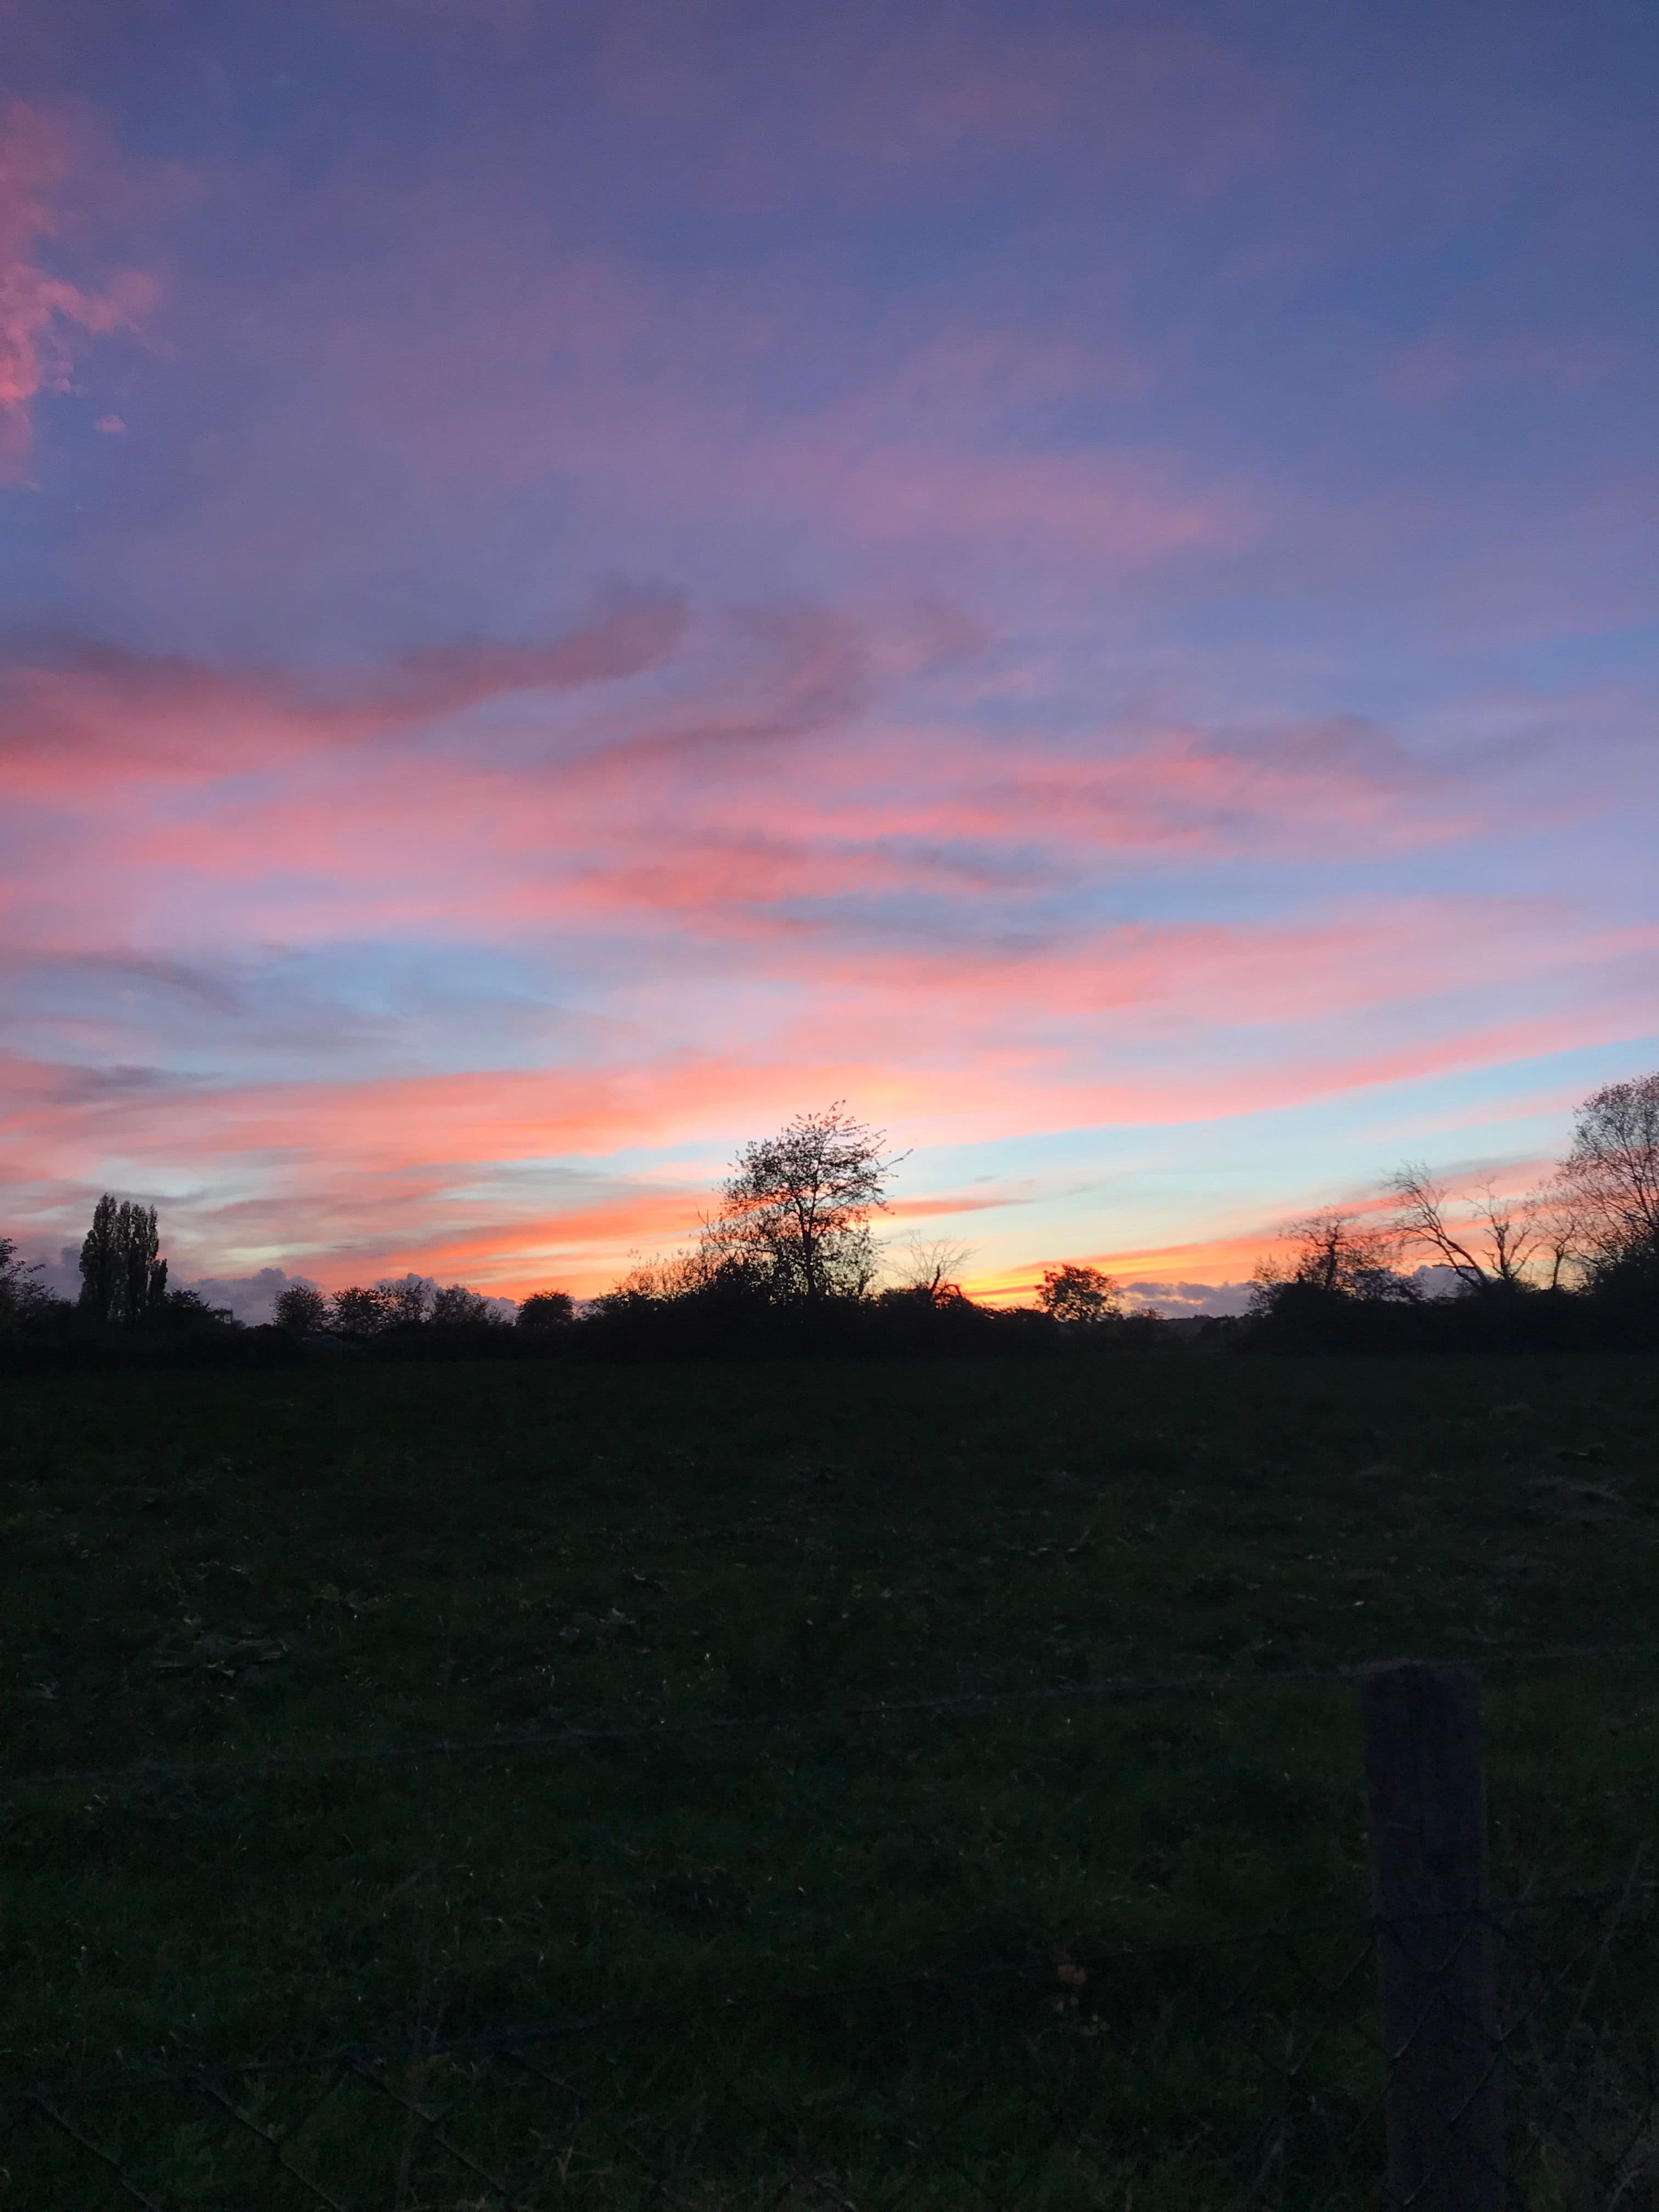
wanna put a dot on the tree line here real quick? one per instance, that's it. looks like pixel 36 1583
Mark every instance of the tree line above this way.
pixel 1573 1263
pixel 788 1259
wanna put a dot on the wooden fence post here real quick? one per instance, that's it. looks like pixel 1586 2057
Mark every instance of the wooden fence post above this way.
pixel 1426 1808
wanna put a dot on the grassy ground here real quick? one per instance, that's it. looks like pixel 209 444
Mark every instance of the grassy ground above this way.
pixel 202 1567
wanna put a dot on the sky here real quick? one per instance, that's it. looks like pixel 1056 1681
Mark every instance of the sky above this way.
pixel 578 580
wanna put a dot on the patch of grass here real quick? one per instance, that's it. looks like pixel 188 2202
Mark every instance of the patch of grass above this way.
pixel 204 1566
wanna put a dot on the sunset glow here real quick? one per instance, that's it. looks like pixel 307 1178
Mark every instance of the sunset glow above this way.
pixel 579 581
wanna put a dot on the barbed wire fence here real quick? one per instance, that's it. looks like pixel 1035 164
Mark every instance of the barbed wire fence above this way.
pixel 1448 2053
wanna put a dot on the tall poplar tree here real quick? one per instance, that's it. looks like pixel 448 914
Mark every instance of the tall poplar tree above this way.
pixel 123 1280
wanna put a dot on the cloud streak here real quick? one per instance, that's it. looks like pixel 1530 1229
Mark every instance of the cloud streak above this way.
pixel 72 705
pixel 745 887
pixel 1138 670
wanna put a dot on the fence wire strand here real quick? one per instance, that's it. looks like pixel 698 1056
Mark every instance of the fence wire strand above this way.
pixel 965 1705
pixel 1077 2079
pixel 1242 2073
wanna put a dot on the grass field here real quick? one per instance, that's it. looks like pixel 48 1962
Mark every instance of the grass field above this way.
pixel 203 1568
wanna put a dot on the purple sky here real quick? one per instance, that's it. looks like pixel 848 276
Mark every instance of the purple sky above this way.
pixel 575 581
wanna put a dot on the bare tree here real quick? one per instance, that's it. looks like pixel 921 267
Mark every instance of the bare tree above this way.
pixel 681 1275
pixel 929 1267
pixel 1610 1178
pixel 1337 1253
pixel 794 1213
pixel 1078 1294
pixel 1488 1248
pixel 1563 1230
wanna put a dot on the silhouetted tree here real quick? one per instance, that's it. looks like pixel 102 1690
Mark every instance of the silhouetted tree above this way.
pixel 1489 1249
pixel 1334 1256
pixel 408 1300
pixel 23 1298
pixel 301 1310
pixel 683 1274
pixel 146 1287
pixel 123 1280
pixel 456 1307
pixel 710 1279
pixel 1561 1223
pixel 929 1269
pixel 361 1309
pixel 794 1213
pixel 188 1308
pixel 547 1309
pixel 1611 1176
pixel 370 1310
pixel 103 1270
pixel 1078 1294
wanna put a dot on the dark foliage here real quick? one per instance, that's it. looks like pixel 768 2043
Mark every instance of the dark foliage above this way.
pixel 732 1317
pixel 1080 1297
pixel 22 1298
pixel 190 1309
pixel 1617 1310
pixel 123 1280
pixel 302 1310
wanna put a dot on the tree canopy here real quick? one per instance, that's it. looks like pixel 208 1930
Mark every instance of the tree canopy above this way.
pixel 1611 1176
pixel 123 1280
pixel 1078 1295
pixel 794 1213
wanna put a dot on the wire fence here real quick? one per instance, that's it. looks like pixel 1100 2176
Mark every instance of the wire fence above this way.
pixel 959 1705
pixel 1249 2072
pixel 1460 2056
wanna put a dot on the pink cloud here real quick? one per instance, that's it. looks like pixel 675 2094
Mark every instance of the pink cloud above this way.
pixel 39 311
pixel 502 1174
pixel 392 957
pixel 774 849
pixel 1025 1072
pixel 81 706
pixel 766 817
pixel 759 891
